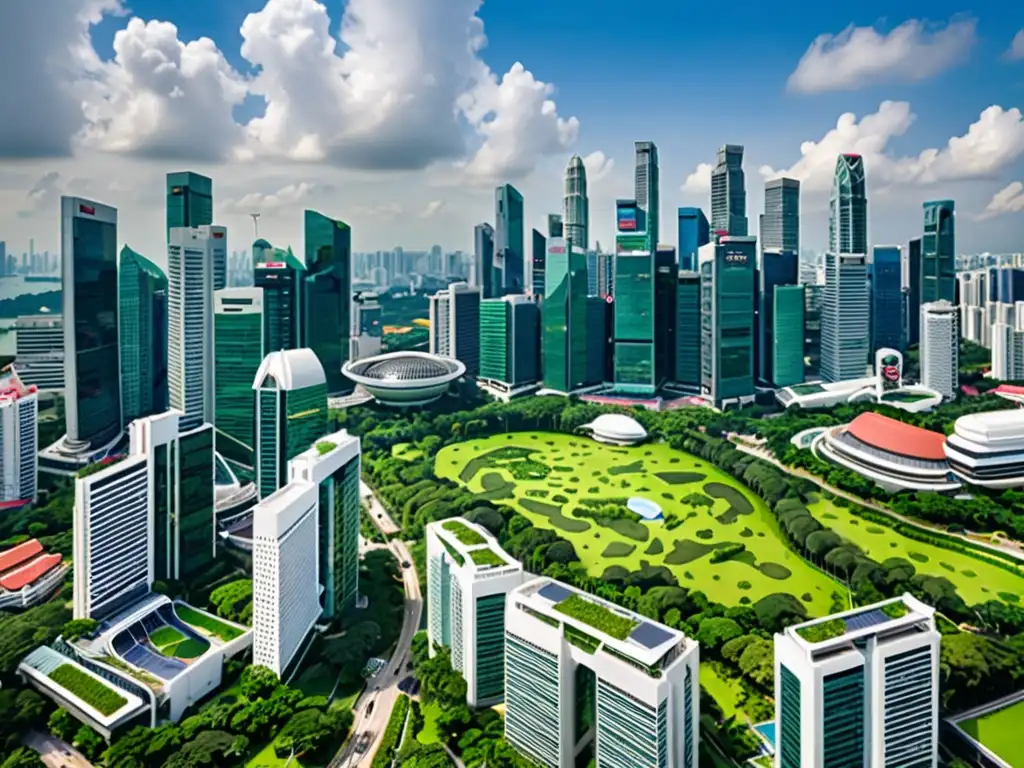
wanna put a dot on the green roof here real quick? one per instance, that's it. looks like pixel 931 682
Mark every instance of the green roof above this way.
pixel 463 533
pixel 597 616
pixel 485 557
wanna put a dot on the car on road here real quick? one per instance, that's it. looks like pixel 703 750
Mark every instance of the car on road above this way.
pixel 364 742
pixel 369 707
pixel 406 564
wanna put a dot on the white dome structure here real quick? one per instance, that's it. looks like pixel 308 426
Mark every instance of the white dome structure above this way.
pixel 615 429
pixel 404 379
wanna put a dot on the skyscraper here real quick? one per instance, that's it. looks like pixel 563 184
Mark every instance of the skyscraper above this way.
pixel 666 275
pixel 727 291
pixel 190 326
pixel 189 200
pixel 635 363
pixel 787 338
pixel 280 275
pixel 778 268
pixel 291 412
pixel 729 192
pixel 848 207
pixel 780 225
pixel 687 339
pixel 19 438
pixel 483 260
pixel 887 297
pixel 564 340
pixel 219 251
pixel 510 342
pixel 510 237
pixel 455 325
pixel 845 317
pixel 938 252
pixel 538 252
pixel 142 316
pixel 576 222
pixel 694 231
pixel 40 350
pixel 940 347
pixel 327 303
pixel 913 273
pixel 90 310
pixel 555 226
pixel 239 351
pixel 647 185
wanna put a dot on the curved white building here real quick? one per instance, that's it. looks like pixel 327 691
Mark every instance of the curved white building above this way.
pixel 615 429
pixel 987 449
pixel 404 379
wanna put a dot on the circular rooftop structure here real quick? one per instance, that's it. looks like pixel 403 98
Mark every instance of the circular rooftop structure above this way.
pixel 404 379
pixel 616 429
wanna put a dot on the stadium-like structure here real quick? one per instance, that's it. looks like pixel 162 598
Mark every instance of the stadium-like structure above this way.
pixel 404 379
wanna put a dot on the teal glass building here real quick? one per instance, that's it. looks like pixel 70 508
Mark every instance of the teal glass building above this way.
pixel 327 300
pixel 509 237
pixel 142 317
pixel 238 352
pixel 787 337
pixel 510 342
pixel 938 252
pixel 189 200
pixel 635 353
pixel 279 273
pixel 564 331
pixel 687 331
pixel 848 207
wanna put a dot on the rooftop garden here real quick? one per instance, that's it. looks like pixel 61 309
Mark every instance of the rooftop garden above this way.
pixel 895 610
pixel 483 557
pixel 597 616
pixel 325 446
pixel 463 533
pixel 97 695
pixel 822 631
pixel 454 553
pixel 206 623
pixel 807 389
pixel 905 397
pixel 98 466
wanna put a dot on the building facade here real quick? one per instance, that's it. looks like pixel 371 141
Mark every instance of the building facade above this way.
pixel 938 252
pixel 538 251
pixel 40 351
pixel 189 200
pixel 647 186
pixel 780 225
pixel 218 237
pixel 634 292
pixel 729 192
pixel 727 291
pixel 887 297
pixel 777 268
pixel 845 317
pixel 19 438
pixel 848 207
pixel 787 339
pixel 142 316
pixel 694 232
pixel 564 320
pixel 510 238
pixel 239 351
pixel 455 325
pixel 510 343
pixel 940 347
pixel 483 260
pixel 574 225
pixel 327 300
pixel 280 276
pixel 913 298
pixel 556 226
pixel 688 335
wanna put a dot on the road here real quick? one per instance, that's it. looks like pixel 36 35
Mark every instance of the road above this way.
pixel 382 689
pixel 378 514
pixel 55 753
pixel 766 455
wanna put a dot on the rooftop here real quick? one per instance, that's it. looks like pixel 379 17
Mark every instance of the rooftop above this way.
pixel 992 426
pixel 865 621
pixel 468 541
pixel 290 369
pixel 895 437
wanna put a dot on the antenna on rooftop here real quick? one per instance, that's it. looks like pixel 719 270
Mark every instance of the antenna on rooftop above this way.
pixel 256 224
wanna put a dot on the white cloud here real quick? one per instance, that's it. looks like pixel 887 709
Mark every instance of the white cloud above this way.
pixel 1016 50
pixel 286 197
pixel 598 166
pixel 385 211
pixel 1010 199
pixel 861 56
pixel 698 183
pixel 432 208
pixel 44 196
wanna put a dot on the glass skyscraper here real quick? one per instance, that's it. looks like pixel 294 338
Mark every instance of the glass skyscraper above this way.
pixel 564 340
pixel 647 185
pixel 634 315
pixel 729 193
pixel 887 297
pixel 727 290
pixel 509 341
pixel 238 338
pixel 189 200
pixel 778 268
pixel 694 231
pixel 574 225
pixel 483 260
pixel 780 225
pixel 538 252
pixel 509 237
pixel 555 226
pixel 142 316
pixel 787 337
pixel 848 207
pixel 938 252
pixel 845 317
pixel 913 319
pixel 280 275
pixel 687 339
pixel 327 300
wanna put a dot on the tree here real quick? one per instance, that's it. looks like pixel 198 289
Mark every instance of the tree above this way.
pixel 75 628
pixel 88 742
pixel 714 632
pixel 207 749
pixel 258 682
pixel 62 725
pixel 22 757
pixel 777 611
pixel 488 517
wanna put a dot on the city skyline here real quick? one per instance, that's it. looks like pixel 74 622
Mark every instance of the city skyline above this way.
pixel 401 189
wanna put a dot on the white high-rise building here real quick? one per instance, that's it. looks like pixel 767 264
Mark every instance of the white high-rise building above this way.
pixel 468 578
pixel 455 325
pixel 285 587
pixel 845 317
pixel 940 347
pixel 40 351
pixel 576 205
pixel 860 683
pixel 581 671
pixel 1007 352
pixel 190 279
pixel 974 300
pixel 19 438
pixel 219 251
pixel 646 187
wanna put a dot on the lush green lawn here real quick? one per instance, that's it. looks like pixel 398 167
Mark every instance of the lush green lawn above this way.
pixel 165 636
pixel 724 691
pixel 405 451
pixel 203 621
pixel 546 476
pixel 189 648
pixel 1001 732
pixel 266 758
pixel 429 734
pixel 975 580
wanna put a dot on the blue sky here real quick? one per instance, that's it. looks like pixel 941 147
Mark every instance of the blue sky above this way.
pixel 688 76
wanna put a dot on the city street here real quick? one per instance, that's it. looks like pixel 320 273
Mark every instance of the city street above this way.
pixel 378 514
pixel 55 753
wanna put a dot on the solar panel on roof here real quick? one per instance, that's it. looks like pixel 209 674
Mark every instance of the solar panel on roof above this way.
pixel 650 635
pixel 556 593
pixel 866 619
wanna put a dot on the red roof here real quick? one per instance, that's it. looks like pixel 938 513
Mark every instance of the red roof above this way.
pixel 894 436
pixel 19 554
pixel 1009 389
pixel 28 573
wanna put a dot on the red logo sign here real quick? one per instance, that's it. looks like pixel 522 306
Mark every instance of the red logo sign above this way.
pixel 87 209
pixel 609 299
pixel 218 235
pixel 556 249
pixel 627 225
pixel 273 265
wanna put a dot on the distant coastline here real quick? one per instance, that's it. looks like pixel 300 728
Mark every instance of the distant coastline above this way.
pixel 30 304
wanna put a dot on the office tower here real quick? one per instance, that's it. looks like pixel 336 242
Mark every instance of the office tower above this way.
pixel 575 225
pixel 239 351
pixel 189 200
pixel 666 275
pixel 468 579
pixel 848 207
pixel 285 587
pixel 938 252
pixel 539 251
pixel 687 338
pixel 647 186
pixel 845 317
pixel 605 275
pixel 455 325
pixel 39 351
pixel 333 463
pixel 555 227
pixel 787 337
pixel 367 327
pixel 777 268
pixel 694 231
pixel 280 275
pixel 780 225
pixel 142 315
pixel 190 326
pixel 327 303
pixel 19 438
pixel 92 398
pixel 584 675
pixel 509 237
pixel 635 369
pixel 599 341
pixel 564 319
pixel 510 342
pixel 940 345
pixel 886 297
pixel 218 237
pixel 913 272
pixel 729 192
pixel 859 688
pixel 291 412
pixel 727 289
pixel 483 260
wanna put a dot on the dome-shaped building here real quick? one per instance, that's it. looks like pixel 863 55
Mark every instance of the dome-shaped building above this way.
pixel 615 429
pixel 404 379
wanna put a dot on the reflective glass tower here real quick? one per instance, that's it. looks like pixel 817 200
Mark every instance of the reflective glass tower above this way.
pixel 729 192
pixel 564 320
pixel 142 316
pixel 727 290
pixel 778 268
pixel 509 237
pixel 280 275
pixel 483 260
pixel 538 252
pixel 189 200
pixel 780 225
pixel 694 231
pixel 938 252
pixel 238 338
pixel 887 297
pixel 845 315
pixel 327 300
pixel 646 183
pixel 848 207
pixel 575 223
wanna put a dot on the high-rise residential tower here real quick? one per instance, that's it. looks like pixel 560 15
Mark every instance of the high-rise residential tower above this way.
pixel 845 317
pixel 564 330
pixel 483 260
pixel 189 200
pixel 327 303
pixel 780 225
pixel 455 325
pixel 848 207
pixel 510 237
pixel 39 351
pixel 239 352
pixel 729 192
pixel 190 368
pixel 938 252
pixel 576 222
pixel 142 315
pixel 694 231
pixel 647 186
pixel 940 347
pixel 887 297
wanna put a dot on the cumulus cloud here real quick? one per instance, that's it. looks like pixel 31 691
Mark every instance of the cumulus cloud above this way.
pixel 43 197
pixel 598 166
pixel 862 56
pixel 255 202
pixel 698 183
pixel 1016 50
pixel 432 208
pixel 1010 199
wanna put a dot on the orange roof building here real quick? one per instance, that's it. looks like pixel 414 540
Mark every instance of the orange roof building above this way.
pixel 28 575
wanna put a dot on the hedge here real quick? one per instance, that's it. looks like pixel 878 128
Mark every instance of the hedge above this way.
pixel 392 733
pixel 97 695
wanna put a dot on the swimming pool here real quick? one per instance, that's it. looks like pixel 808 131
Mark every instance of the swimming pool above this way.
pixel 767 733
pixel 646 508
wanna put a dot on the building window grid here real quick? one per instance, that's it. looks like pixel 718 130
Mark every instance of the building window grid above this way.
pixel 532 701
